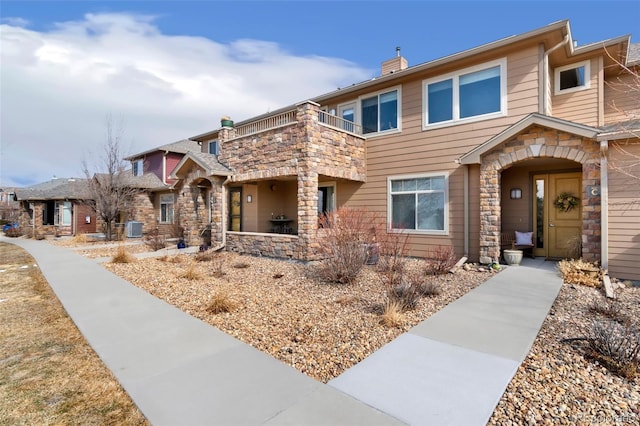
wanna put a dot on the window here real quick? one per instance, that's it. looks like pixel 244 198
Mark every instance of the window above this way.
pixel 419 203
pixel 138 167
pixel 348 113
pixel 379 112
pixel 166 208
pixel 471 94
pixel 213 147
pixel 63 213
pixel 572 78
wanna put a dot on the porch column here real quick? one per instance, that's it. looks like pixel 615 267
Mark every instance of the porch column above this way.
pixel 489 213
pixel 307 213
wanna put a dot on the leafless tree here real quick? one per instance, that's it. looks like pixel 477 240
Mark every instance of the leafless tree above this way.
pixel 109 181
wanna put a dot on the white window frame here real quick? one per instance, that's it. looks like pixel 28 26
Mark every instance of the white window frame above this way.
pixel 161 203
pixel 358 111
pixel 351 104
pixel 138 167
pixel 390 179
pixel 455 77
pixel 587 77
pixel 62 207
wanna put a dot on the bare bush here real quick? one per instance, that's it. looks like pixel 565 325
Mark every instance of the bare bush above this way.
pixel 344 240
pixel 122 256
pixel 154 240
pixel 393 251
pixel 608 308
pixel 191 273
pixel 429 288
pixel 439 260
pixel 617 346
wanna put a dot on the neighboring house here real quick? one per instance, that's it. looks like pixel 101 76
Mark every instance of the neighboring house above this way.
pixel 57 207
pixel 154 206
pixel 9 207
pixel 454 151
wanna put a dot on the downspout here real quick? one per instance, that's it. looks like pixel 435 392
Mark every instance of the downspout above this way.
pixel 466 210
pixel 547 78
pixel 604 205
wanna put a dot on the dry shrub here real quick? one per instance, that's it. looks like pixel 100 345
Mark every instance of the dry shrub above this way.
pixel 217 263
pixel 154 240
pixel 205 256
pixel 191 273
pixel 574 247
pixel 80 239
pixel 393 251
pixel 581 272
pixel 170 259
pixel 221 302
pixel 13 232
pixel 439 260
pixel 392 314
pixel 241 265
pixel 345 236
pixel 428 288
pixel 609 309
pixel 122 256
pixel 616 346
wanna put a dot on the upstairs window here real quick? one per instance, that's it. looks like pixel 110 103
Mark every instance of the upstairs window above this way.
pixel 214 147
pixel 471 94
pixel 572 78
pixel 137 167
pixel 379 113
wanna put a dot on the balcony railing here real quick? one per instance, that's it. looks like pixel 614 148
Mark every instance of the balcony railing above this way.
pixel 264 124
pixel 339 123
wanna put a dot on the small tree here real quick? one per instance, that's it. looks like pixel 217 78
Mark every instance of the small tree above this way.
pixel 109 183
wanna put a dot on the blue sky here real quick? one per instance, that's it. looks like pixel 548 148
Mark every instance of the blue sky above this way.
pixel 168 70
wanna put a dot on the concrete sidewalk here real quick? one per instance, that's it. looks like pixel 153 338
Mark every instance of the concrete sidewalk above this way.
pixel 450 369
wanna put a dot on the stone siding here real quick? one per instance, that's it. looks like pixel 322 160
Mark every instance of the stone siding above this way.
pixel 271 245
pixel 539 142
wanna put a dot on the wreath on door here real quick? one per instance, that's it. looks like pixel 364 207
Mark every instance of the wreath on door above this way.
pixel 566 202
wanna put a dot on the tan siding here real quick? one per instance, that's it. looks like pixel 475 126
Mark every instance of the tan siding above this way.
pixel 250 210
pixel 624 214
pixel 621 101
pixel 580 106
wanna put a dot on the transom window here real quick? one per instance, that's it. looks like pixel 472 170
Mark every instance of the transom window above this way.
pixel 419 203
pixel 166 208
pixel 471 94
pixel 572 78
pixel 379 112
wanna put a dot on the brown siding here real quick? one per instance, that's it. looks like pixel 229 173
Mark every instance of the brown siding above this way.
pixel 250 210
pixel 80 212
pixel 621 100
pixel 580 106
pixel 624 214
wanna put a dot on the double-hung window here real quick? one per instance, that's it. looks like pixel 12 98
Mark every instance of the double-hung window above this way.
pixel 419 203
pixel 166 208
pixel 572 78
pixel 471 94
pixel 380 112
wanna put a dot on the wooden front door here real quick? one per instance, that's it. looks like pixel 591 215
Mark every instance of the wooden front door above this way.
pixel 558 230
pixel 235 209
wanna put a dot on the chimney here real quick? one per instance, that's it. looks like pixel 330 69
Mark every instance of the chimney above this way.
pixel 394 65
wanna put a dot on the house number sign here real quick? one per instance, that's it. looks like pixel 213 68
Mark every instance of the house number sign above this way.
pixel 593 190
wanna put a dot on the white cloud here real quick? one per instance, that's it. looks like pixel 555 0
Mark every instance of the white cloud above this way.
pixel 58 87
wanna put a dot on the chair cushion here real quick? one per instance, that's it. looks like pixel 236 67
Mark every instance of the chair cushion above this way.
pixel 524 238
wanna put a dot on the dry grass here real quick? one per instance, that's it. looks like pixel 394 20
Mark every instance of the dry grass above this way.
pixel 392 314
pixel 191 273
pixel 122 256
pixel 49 373
pixel 221 302
pixel 581 272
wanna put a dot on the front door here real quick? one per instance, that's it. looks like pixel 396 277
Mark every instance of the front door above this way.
pixel 558 228
pixel 235 209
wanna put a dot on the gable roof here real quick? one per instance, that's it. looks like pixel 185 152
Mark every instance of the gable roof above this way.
pixel 473 156
pixel 181 147
pixel 55 189
pixel 147 181
pixel 208 162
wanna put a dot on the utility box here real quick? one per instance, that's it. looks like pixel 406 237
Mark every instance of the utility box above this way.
pixel 134 229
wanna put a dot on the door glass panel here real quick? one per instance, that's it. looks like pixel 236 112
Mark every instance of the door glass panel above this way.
pixel 235 211
pixel 539 213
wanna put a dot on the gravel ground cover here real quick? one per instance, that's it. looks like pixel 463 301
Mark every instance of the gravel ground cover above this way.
pixel 284 309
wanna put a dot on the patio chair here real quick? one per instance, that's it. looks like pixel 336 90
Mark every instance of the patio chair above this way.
pixel 517 240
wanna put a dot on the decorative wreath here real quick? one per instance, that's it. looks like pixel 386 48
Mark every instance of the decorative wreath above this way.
pixel 566 202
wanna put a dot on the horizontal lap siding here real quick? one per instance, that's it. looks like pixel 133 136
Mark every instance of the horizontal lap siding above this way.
pixel 624 214
pixel 581 106
pixel 414 151
pixel 621 98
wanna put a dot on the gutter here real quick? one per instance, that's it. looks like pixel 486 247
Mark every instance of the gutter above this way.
pixel 545 61
pixel 604 205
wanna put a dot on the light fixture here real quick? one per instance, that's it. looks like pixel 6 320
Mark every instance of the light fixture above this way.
pixel 249 199
pixel 516 193
pixel 274 187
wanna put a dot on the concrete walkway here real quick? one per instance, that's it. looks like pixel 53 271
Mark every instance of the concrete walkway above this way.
pixel 450 369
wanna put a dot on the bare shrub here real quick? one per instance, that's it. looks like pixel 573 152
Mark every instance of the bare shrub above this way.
pixel 154 240
pixel 581 272
pixel 122 256
pixel 439 260
pixel 241 265
pixel 609 309
pixel 428 288
pixel 393 251
pixel 574 247
pixel 80 239
pixel 13 232
pixel 344 239
pixel 617 346
pixel 170 259
pixel 392 314
pixel 191 273
pixel 221 302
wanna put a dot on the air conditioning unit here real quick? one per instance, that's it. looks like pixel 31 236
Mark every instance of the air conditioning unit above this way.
pixel 134 229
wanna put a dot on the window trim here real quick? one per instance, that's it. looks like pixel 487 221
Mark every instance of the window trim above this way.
pixel 587 77
pixel 455 77
pixel 138 167
pixel 358 111
pixel 160 203
pixel 390 227
pixel 217 142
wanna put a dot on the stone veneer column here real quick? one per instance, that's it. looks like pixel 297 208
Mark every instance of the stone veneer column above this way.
pixel 489 213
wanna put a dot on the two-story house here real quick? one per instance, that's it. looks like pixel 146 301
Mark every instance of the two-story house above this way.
pixel 516 135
